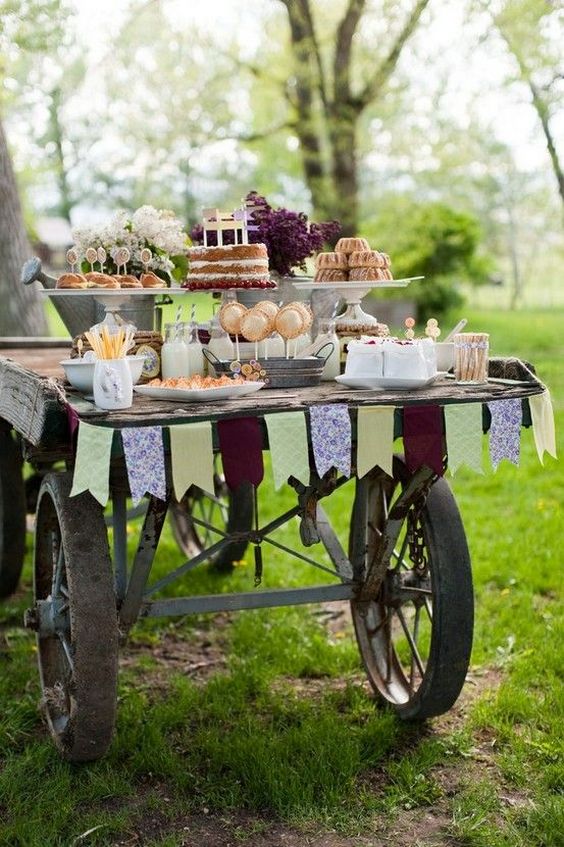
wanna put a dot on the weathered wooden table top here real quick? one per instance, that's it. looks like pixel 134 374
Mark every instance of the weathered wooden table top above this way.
pixel 30 401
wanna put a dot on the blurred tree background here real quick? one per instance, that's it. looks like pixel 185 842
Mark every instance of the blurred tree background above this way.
pixel 433 127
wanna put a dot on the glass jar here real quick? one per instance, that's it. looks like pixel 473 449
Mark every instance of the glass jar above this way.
pixel 174 353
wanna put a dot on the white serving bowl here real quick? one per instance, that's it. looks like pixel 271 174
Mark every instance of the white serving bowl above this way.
pixel 80 374
pixel 445 355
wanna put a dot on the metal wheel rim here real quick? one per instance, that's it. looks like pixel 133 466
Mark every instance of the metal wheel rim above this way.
pixel 54 652
pixel 380 624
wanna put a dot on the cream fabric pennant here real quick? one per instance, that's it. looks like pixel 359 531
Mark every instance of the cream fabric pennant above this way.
pixel 463 424
pixel 542 415
pixel 287 438
pixel 191 447
pixel 375 439
pixel 92 464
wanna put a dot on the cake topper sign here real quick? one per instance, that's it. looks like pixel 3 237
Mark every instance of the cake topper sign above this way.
pixel 214 220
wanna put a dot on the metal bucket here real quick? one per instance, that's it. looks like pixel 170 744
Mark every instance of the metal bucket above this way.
pixel 281 372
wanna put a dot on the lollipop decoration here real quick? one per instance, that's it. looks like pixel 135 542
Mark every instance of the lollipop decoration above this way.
pixel 122 257
pixel 432 330
pixel 409 332
pixel 72 258
pixel 91 256
pixel 145 257
pixel 101 256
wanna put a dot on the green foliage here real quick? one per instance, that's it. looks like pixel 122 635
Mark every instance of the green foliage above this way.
pixel 431 240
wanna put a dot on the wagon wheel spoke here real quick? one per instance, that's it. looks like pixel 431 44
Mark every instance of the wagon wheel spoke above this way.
pixel 400 557
pixel 428 608
pixel 411 642
pixel 67 650
pixel 58 552
pixel 415 637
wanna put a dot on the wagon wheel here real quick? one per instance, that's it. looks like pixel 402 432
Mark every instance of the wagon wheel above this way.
pixel 75 615
pixel 230 511
pixel 12 514
pixel 415 636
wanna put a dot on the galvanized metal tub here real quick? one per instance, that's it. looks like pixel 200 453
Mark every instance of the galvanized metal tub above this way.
pixel 282 372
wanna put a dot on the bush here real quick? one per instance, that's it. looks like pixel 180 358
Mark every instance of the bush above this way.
pixel 430 240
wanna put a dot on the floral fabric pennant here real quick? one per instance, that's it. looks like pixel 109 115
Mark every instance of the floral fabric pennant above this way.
pixel 375 439
pixel 144 457
pixel 92 464
pixel 240 441
pixel 287 439
pixel 463 425
pixel 505 431
pixel 331 438
pixel 542 415
pixel 191 448
pixel 423 438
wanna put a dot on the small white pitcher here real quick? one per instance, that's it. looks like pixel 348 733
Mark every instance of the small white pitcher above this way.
pixel 113 386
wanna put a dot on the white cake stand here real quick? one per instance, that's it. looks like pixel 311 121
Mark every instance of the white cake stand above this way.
pixel 352 292
pixel 112 299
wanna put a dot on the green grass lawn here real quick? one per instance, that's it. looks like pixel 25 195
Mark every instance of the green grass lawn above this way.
pixel 278 732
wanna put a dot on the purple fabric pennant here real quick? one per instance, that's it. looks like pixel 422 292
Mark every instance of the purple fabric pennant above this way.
pixel 331 438
pixel 423 438
pixel 240 441
pixel 505 431
pixel 72 420
pixel 144 457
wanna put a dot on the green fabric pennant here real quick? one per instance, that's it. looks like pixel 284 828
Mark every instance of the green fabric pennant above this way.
pixel 544 432
pixel 92 465
pixel 375 439
pixel 191 448
pixel 463 424
pixel 287 438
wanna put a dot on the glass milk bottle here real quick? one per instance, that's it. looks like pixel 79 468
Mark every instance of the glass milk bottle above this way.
pixel 220 344
pixel 327 335
pixel 194 350
pixel 174 353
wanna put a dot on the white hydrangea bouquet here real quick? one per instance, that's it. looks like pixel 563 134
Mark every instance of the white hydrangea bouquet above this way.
pixel 157 230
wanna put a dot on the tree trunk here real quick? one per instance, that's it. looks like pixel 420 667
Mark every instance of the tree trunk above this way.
pixel 22 311
pixel 65 199
pixel 344 169
pixel 542 112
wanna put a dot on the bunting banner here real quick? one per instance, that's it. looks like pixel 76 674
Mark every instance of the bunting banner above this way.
pixel 542 415
pixel 92 463
pixel 240 441
pixel 144 457
pixel 463 426
pixel 331 438
pixel 505 431
pixel 423 438
pixel 287 439
pixel 191 449
pixel 375 439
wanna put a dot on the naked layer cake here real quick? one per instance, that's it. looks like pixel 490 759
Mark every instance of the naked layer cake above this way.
pixel 231 266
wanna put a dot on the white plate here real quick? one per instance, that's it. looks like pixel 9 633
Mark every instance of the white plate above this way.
pixel 306 285
pixel 199 395
pixel 110 292
pixel 383 383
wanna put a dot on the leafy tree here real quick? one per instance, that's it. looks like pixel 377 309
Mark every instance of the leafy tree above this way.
pixel 31 25
pixel 330 95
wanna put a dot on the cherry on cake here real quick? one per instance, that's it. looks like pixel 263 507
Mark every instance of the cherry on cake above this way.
pixel 230 266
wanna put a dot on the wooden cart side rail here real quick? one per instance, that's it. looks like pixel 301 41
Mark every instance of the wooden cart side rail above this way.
pixel 31 404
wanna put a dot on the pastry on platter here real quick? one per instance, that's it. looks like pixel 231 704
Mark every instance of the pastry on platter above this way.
pixel 367 259
pixel 127 281
pixel 331 260
pixel 330 275
pixel 69 280
pixel 351 245
pixel 151 280
pixel 99 280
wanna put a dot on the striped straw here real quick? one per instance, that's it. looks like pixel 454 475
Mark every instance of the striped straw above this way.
pixel 193 314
